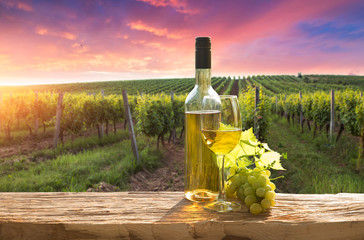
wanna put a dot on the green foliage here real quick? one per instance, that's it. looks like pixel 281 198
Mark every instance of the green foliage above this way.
pixel 155 114
pixel 250 152
pixel 349 106
pixel 247 108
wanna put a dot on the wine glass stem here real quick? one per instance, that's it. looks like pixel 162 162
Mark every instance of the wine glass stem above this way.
pixel 222 195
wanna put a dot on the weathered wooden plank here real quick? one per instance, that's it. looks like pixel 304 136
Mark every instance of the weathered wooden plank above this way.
pixel 167 215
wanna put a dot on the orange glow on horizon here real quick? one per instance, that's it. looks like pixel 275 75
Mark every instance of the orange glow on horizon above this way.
pixel 55 42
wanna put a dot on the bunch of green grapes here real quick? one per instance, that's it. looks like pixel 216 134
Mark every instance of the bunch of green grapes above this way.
pixel 254 188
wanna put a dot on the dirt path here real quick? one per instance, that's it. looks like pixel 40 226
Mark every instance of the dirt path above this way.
pixel 235 88
pixel 227 83
pixel 169 177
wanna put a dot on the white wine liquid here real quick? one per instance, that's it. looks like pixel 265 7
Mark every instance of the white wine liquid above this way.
pixel 221 142
pixel 201 171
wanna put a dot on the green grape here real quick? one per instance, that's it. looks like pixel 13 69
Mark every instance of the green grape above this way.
pixel 268 188
pixel 249 191
pixel 252 179
pixel 236 180
pixel 255 208
pixel 246 185
pixel 256 185
pixel 266 203
pixel 272 185
pixel 243 178
pixel 269 195
pixel 240 193
pixel 254 188
pixel 256 175
pixel 250 199
pixel 263 180
pixel 260 192
pixel 257 170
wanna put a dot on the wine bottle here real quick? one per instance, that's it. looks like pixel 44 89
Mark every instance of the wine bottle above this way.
pixel 201 171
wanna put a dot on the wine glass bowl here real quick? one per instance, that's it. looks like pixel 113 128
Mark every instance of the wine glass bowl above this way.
pixel 221 127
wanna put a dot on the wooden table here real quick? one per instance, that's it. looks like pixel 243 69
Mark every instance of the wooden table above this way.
pixel 167 215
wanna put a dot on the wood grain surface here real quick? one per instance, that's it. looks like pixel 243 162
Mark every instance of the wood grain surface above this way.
pixel 167 215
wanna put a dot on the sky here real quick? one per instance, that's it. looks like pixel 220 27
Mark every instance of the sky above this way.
pixel 43 42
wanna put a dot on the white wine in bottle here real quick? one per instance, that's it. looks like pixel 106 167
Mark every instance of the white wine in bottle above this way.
pixel 201 170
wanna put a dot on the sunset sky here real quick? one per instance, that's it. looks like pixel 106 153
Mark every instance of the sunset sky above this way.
pixel 77 41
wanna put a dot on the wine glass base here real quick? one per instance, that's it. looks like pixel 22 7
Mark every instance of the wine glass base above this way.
pixel 222 206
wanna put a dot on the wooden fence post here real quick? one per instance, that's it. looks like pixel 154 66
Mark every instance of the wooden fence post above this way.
pixel 276 105
pixel 285 107
pixel 332 119
pixel 256 112
pixel 130 126
pixel 301 113
pixel 173 129
pixel 36 123
pixel 102 124
pixel 58 120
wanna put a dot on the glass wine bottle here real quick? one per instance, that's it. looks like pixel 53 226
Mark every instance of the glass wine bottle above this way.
pixel 201 171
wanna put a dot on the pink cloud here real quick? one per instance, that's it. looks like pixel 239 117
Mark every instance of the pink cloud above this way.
pixel 44 31
pixel 179 5
pixel 25 7
pixel 161 32
pixel 17 4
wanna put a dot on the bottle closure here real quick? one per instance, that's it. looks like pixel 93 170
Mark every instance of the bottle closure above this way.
pixel 203 53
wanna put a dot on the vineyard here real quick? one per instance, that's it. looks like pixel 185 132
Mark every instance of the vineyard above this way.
pixel 157 112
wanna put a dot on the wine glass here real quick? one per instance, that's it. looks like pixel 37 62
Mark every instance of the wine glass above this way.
pixel 221 129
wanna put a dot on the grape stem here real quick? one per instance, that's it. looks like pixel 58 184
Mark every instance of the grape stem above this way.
pixel 272 179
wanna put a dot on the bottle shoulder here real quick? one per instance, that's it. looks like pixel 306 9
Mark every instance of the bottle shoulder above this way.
pixel 194 98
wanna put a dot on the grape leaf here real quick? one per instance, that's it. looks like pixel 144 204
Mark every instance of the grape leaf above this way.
pixel 243 149
pixel 271 159
pixel 250 148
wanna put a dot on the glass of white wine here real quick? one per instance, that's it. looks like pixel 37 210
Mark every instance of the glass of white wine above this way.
pixel 221 127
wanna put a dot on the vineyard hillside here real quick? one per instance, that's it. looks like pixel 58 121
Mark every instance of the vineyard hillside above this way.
pixel 73 137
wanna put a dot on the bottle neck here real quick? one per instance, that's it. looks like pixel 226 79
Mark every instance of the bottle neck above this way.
pixel 203 78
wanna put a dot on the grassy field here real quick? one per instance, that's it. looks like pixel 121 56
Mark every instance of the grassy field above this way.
pixel 314 165
pixel 79 165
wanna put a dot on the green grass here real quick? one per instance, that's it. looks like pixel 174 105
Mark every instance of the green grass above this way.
pixel 112 164
pixel 314 165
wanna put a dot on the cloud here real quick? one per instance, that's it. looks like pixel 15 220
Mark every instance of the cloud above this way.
pixel 24 7
pixel 18 5
pixel 44 31
pixel 161 32
pixel 179 5
pixel 41 31
pixel 332 30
